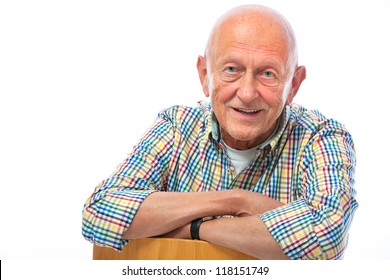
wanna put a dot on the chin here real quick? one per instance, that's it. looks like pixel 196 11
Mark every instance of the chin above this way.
pixel 247 134
pixel 242 140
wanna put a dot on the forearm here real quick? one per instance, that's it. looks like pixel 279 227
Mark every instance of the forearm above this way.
pixel 245 234
pixel 162 212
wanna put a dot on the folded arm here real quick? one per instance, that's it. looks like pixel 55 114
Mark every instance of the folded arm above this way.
pixel 170 215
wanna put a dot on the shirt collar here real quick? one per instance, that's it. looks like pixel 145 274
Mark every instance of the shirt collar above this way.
pixel 282 123
pixel 213 131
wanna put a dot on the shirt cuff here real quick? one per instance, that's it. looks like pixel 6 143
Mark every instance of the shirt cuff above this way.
pixel 105 221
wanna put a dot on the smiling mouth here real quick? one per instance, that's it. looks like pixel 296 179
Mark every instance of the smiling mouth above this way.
pixel 247 111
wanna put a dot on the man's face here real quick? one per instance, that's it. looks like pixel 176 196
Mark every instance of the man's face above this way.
pixel 249 82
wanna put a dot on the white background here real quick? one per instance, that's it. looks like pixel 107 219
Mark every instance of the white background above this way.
pixel 80 81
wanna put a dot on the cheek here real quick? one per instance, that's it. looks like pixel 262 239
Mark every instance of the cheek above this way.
pixel 222 93
pixel 274 99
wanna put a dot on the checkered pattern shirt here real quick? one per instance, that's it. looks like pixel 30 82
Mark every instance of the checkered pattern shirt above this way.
pixel 308 164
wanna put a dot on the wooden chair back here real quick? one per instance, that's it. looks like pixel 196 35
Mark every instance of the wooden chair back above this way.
pixel 169 249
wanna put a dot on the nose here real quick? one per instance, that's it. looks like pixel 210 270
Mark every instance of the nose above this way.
pixel 247 90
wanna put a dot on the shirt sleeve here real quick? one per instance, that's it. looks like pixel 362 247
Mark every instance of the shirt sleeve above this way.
pixel 316 225
pixel 115 201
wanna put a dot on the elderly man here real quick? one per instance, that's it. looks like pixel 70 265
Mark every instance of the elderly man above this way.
pixel 250 171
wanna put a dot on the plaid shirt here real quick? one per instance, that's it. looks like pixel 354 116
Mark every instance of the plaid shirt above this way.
pixel 308 164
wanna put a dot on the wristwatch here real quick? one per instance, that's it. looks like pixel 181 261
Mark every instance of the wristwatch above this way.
pixel 195 226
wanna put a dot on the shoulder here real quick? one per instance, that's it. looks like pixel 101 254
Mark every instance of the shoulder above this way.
pixel 181 116
pixel 312 120
pixel 321 135
pixel 315 129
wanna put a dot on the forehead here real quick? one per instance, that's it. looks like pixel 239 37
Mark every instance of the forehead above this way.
pixel 250 57
pixel 253 35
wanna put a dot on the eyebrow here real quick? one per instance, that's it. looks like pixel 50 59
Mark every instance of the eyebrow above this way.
pixel 267 62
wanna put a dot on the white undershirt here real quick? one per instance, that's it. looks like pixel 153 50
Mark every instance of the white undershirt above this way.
pixel 240 158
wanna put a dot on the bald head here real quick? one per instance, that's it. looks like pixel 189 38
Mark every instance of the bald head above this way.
pixel 264 26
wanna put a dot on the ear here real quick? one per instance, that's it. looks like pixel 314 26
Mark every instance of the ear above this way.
pixel 202 72
pixel 299 77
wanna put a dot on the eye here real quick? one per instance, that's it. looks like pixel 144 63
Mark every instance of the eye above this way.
pixel 231 69
pixel 268 74
pixel 269 78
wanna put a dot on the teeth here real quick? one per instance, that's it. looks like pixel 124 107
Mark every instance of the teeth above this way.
pixel 247 111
